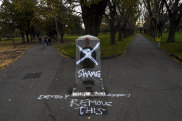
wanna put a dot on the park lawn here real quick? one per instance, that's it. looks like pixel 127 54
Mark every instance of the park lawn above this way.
pixel 171 48
pixel 69 49
pixel 9 54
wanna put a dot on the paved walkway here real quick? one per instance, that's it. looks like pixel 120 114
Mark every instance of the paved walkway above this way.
pixel 20 83
pixel 148 74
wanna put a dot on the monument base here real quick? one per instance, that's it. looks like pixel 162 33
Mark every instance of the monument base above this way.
pixel 87 94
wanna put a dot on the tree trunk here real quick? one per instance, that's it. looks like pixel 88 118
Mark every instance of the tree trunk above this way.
pixel 27 37
pixel 112 9
pixel 23 37
pixel 125 34
pixel 172 31
pixel 28 29
pixel 31 38
pixel 120 38
pixel 92 16
pixel 62 39
pixel 112 37
pixel 13 42
pixel 112 32
pixel 159 29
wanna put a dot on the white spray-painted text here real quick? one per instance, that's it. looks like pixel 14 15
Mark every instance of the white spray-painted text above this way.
pixel 83 73
pixel 90 106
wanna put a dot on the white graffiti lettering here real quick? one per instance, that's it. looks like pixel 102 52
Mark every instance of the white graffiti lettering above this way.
pixel 118 95
pixel 83 73
pixel 88 103
pixel 90 106
pixel 66 96
pixel 50 97
pixel 91 110
pixel 84 94
pixel 86 106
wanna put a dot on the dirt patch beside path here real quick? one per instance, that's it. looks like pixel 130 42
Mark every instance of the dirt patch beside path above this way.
pixel 9 54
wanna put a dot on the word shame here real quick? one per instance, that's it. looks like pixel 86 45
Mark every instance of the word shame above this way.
pixel 83 73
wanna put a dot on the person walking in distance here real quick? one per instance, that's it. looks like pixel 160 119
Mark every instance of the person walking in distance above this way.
pixel 158 39
pixel 45 41
pixel 40 40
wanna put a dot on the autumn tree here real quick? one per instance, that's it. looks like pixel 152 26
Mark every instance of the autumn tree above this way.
pixel 7 26
pixel 56 16
pixel 174 9
pixel 118 14
pixel 20 13
pixel 127 13
pixel 112 18
pixel 157 16
pixel 92 13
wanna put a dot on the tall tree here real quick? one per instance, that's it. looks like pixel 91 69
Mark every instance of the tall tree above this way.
pixel 20 12
pixel 112 18
pixel 174 8
pixel 118 14
pixel 56 16
pixel 92 13
pixel 126 12
pixel 157 14
pixel 25 9
pixel 7 26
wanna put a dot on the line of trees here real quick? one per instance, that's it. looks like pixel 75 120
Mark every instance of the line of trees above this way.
pixel 122 17
pixel 32 17
pixel 159 13
pixel 57 17
pixel 119 15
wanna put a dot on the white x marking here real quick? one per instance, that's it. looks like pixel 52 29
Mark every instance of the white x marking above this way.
pixel 88 54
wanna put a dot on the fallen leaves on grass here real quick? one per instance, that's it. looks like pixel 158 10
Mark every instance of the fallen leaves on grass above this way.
pixel 9 54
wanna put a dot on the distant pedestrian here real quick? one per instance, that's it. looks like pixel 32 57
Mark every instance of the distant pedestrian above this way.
pixel 45 41
pixel 49 41
pixel 40 40
pixel 158 40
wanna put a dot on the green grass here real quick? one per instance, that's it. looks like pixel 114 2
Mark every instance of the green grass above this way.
pixel 69 48
pixel 171 48
pixel 5 41
pixel 108 50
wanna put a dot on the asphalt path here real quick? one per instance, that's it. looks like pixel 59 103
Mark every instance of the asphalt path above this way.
pixel 144 85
